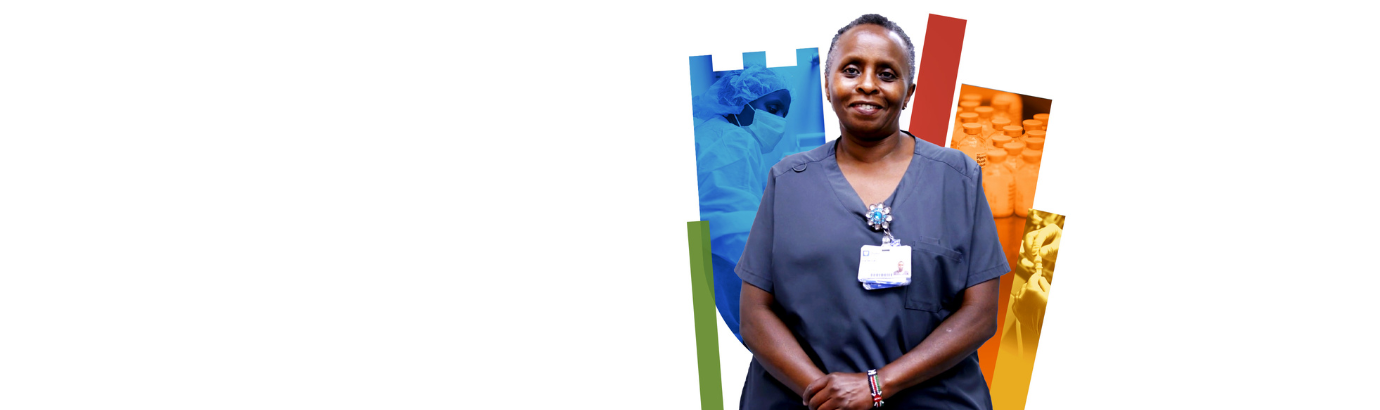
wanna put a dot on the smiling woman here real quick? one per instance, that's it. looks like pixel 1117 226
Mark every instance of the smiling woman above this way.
pixel 873 80
pixel 820 338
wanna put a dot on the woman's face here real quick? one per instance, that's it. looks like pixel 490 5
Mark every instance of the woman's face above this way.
pixel 868 86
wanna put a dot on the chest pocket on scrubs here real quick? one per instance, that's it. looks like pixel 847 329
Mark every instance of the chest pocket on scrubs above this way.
pixel 935 275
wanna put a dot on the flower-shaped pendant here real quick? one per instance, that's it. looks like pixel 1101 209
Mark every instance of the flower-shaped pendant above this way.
pixel 879 217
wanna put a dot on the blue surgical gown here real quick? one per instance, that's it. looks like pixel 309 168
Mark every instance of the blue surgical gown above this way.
pixel 804 249
pixel 731 179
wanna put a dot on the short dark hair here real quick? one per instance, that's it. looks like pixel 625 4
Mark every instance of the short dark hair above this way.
pixel 877 20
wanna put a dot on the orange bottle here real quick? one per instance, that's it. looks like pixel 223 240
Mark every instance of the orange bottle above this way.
pixel 998 184
pixel 999 140
pixel 1014 131
pixel 1036 143
pixel 998 125
pixel 1013 155
pixel 1044 120
pixel 963 107
pixel 963 118
pixel 1001 110
pixel 1012 103
pixel 1026 177
pixel 973 144
pixel 1033 134
pixel 985 118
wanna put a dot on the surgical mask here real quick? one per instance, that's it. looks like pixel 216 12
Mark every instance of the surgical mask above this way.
pixel 767 127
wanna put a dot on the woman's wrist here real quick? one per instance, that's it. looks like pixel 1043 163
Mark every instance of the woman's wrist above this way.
pixel 809 378
pixel 886 379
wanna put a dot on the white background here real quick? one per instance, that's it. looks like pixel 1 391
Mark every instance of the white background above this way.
pixel 420 205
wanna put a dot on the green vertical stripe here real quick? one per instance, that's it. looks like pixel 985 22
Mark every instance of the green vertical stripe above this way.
pixel 706 320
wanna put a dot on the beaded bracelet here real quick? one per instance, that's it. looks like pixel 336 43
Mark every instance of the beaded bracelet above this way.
pixel 876 388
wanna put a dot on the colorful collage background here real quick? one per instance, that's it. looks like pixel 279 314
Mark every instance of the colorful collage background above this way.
pixel 1007 359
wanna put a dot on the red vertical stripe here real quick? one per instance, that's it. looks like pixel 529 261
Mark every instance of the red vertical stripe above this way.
pixel 936 79
pixel 929 120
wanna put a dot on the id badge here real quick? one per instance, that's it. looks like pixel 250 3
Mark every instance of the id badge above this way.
pixel 882 267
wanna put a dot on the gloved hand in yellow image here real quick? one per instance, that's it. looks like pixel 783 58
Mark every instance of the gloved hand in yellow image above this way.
pixel 1039 250
pixel 1030 302
pixel 1045 242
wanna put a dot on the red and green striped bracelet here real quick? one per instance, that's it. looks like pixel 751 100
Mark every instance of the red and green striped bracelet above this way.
pixel 876 388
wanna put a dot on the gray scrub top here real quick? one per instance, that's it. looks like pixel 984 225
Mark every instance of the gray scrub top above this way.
pixel 804 249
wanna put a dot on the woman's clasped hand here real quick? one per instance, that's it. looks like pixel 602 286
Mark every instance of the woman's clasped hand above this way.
pixel 845 391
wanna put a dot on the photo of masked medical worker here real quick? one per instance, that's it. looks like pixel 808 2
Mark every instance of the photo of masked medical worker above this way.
pixel 745 122
pixel 822 340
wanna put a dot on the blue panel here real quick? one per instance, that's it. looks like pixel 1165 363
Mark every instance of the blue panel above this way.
pixel 730 177
pixel 755 58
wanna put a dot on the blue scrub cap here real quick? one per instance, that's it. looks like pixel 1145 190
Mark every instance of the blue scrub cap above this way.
pixel 735 89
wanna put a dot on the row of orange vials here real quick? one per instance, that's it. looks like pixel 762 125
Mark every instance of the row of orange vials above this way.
pixel 1009 154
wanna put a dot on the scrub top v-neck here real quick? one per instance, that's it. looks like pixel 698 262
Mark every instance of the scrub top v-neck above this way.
pixel 804 249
